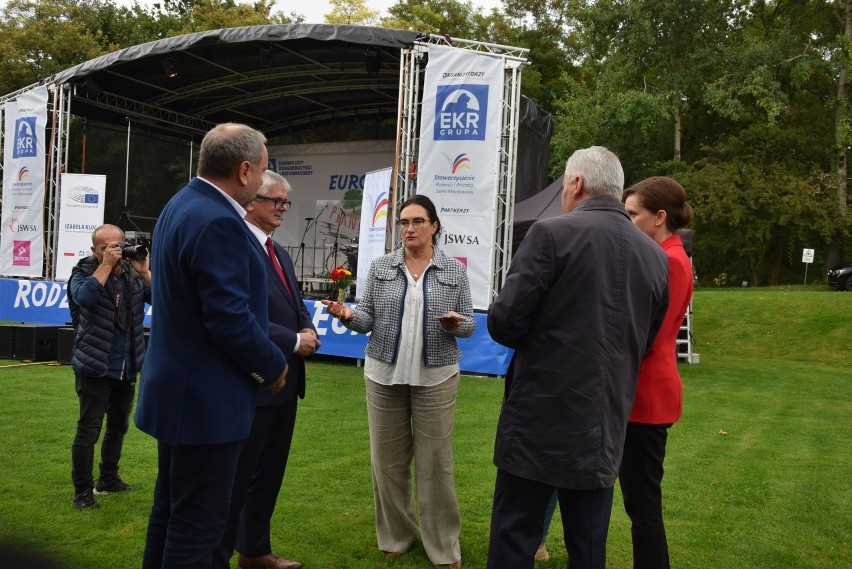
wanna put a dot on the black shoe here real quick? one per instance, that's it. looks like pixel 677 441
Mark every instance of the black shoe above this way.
pixel 85 501
pixel 111 486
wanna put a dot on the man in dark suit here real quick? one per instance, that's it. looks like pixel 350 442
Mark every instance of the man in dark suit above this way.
pixel 583 299
pixel 209 352
pixel 263 457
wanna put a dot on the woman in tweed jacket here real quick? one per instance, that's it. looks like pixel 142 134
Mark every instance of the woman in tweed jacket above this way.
pixel 416 302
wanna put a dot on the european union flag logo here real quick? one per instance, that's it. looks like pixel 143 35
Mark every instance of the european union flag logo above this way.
pixel 91 198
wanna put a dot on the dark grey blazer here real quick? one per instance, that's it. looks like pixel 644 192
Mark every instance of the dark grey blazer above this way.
pixel 584 297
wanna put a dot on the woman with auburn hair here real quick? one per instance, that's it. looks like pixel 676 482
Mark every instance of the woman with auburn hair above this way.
pixel 659 208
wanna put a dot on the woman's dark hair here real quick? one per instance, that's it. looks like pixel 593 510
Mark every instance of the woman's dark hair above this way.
pixel 431 211
pixel 662 193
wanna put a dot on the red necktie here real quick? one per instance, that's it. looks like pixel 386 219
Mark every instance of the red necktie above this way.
pixel 275 263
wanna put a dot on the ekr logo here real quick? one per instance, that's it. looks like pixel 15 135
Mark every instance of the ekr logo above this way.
pixel 25 138
pixel 460 112
pixel 380 208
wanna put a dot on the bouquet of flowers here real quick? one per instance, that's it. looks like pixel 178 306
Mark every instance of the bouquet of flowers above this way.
pixel 341 278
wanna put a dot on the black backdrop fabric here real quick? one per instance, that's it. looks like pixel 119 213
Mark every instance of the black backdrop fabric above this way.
pixel 545 204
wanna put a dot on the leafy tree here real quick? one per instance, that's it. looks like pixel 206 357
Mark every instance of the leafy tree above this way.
pixel 353 12
pixel 454 18
pixel 41 37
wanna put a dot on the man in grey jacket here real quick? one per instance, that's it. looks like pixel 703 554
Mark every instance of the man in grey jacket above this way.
pixel 584 297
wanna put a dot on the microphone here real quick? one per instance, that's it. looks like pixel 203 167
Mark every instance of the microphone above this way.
pixel 309 219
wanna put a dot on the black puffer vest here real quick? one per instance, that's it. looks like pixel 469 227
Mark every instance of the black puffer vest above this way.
pixel 94 324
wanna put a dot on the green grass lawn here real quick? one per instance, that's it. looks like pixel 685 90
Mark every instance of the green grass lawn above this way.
pixel 757 475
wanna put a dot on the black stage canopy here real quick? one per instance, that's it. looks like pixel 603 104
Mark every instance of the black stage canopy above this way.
pixel 277 78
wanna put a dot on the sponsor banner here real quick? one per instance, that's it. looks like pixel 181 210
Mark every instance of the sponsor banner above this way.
pixel 46 302
pixel 22 218
pixel 374 223
pixel 459 144
pixel 81 210
pixel 326 172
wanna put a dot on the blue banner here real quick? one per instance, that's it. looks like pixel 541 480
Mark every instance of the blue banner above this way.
pixel 46 302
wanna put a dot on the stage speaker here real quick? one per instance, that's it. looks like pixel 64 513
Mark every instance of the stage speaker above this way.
pixel 65 344
pixel 36 342
pixel 7 341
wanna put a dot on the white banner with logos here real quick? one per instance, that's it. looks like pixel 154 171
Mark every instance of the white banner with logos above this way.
pixel 458 158
pixel 81 210
pixel 374 223
pixel 22 231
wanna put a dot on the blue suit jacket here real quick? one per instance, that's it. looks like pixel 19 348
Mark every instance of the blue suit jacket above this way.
pixel 209 351
pixel 287 315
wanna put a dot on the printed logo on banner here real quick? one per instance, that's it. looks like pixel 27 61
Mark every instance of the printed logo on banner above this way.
pixel 23 174
pixel 380 209
pixel 272 164
pixel 461 162
pixel 460 239
pixel 84 195
pixel 16 227
pixel 25 138
pixel 462 260
pixel 460 112
pixel 20 253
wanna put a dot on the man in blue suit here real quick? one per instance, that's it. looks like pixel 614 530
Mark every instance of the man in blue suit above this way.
pixel 209 352
pixel 263 458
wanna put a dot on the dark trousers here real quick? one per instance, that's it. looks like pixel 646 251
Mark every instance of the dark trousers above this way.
pixel 260 471
pixel 516 523
pixel 640 477
pixel 99 396
pixel 192 498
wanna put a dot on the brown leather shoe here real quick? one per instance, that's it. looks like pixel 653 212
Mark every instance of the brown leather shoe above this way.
pixel 268 561
pixel 454 565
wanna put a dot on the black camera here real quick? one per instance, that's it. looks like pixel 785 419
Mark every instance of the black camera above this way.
pixel 138 251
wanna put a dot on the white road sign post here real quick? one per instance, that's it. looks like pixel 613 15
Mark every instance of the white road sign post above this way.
pixel 807 259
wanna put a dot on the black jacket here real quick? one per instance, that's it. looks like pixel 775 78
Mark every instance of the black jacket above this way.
pixel 584 297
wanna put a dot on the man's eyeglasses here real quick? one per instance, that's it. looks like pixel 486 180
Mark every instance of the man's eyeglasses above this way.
pixel 417 222
pixel 277 203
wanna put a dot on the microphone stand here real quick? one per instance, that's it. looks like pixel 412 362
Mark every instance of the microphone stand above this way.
pixel 301 253
pixel 316 221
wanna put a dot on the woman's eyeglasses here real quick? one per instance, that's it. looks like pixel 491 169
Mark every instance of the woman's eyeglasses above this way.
pixel 417 223
pixel 277 203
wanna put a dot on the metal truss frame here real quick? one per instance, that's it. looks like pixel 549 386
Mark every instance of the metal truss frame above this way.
pixel 412 68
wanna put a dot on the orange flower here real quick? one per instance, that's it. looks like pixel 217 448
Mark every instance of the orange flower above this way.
pixel 339 274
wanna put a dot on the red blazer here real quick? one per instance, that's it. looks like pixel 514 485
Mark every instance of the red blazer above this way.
pixel 659 390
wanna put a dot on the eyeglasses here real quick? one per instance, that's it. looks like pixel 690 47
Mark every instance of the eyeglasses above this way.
pixel 417 222
pixel 277 203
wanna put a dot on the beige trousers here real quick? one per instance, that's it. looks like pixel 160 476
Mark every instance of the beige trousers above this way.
pixel 410 422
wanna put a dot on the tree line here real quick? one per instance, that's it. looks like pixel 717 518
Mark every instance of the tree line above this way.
pixel 745 102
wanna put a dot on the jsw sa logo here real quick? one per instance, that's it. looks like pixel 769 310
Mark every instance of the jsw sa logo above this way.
pixel 460 112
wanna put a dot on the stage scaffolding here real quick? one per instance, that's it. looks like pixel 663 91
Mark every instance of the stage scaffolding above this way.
pixel 412 67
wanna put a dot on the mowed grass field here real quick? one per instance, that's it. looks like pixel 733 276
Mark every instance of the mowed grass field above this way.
pixel 757 474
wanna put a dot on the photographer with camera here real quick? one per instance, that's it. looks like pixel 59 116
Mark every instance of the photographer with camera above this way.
pixel 106 295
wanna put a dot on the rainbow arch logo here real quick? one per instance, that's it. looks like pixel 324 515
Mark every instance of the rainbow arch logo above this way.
pixel 23 174
pixel 380 208
pixel 461 162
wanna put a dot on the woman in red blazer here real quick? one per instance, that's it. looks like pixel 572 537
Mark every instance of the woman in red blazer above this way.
pixel 658 207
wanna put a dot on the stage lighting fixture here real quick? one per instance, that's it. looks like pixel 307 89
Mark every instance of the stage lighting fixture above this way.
pixel 372 60
pixel 169 67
